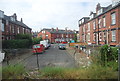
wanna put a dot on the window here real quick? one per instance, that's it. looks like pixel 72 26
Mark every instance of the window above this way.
pixel 35 46
pixel 114 35
pixel 13 29
pixel 66 35
pixel 18 30
pixel 94 37
pixel 46 35
pixel 104 22
pixel 100 11
pixel 99 23
pixel 23 30
pixel 43 31
pixel 94 26
pixel 113 18
pixel 62 35
pixel 100 36
pixel 88 37
pixel 105 36
pixel 3 27
pixel 88 26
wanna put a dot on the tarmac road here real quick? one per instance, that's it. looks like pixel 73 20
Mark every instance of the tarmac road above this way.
pixel 51 57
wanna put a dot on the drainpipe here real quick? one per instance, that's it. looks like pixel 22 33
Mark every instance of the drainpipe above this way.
pixel 98 33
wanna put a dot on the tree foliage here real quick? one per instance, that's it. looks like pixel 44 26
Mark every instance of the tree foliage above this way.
pixel 75 38
pixel 108 54
pixel 36 40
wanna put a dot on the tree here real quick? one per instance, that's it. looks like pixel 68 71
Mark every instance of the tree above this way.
pixel 36 40
pixel 75 38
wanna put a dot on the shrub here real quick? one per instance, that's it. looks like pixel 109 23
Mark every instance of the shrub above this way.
pixel 36 40
pixel 108 54
pixel 12 71
pixel 13 44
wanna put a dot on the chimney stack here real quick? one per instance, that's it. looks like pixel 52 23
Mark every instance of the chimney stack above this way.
pixel 57 29
pixel 52 29
pixel 15 16
pixel 66 29
pixel 21 20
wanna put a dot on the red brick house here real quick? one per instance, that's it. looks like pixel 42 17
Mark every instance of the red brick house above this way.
pixel 102 27
pixel 10 26
pixel 56 35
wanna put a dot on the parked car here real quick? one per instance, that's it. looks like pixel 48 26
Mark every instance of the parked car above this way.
pixel 62 46
pixel 38 48
pixel 64 42
pixel 45 43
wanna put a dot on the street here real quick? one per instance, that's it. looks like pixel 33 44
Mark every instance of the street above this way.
pixel 51 57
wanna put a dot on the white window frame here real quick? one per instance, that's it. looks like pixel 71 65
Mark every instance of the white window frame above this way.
pixel 18 30
pixel 88 36
pixel 104 21
pixel 113 18
pixel 88 26
pixel 114 35
pixel 23 30
pixel 99 23
pixel 13 29
pixel 104 35
pixel 3 27
pixel 62 36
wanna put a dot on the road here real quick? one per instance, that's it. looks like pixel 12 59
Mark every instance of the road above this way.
pixel 51 57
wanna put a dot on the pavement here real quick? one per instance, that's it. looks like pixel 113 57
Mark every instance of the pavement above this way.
pixel 19 58
pixel 80 57
pixel 51 57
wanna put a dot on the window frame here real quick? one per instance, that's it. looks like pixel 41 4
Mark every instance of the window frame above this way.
pixel 113 18
pixel 114 36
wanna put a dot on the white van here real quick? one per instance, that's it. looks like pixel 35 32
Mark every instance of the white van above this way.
pixel 45 43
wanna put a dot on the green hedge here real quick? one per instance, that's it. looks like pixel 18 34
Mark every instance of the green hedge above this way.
pixel 108 54
pixel 13 44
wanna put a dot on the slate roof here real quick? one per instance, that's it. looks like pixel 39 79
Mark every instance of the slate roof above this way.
pixel 59 31
pixel 15 22
pixel 105 9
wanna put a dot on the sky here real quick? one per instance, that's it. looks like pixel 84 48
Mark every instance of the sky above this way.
pixel 39 14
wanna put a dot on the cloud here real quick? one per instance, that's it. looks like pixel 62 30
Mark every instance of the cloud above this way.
pixel 38 14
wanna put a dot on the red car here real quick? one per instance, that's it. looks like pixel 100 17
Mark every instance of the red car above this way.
pixel 38 48
pixel 64 42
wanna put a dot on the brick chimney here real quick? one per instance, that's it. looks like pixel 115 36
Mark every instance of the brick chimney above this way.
pixel 52 29
pixel 21 20
pixel 98 7
pixel 57 29
pixel 66 29
pixel 15 16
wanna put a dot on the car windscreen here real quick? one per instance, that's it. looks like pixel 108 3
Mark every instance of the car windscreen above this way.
pixel 62 44
pixel 36 46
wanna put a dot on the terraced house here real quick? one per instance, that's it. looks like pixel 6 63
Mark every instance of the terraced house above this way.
pixel 10 26
pixel 56 35
pixel 102 27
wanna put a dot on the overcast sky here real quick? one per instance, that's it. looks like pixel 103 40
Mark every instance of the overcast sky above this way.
pixel 38 14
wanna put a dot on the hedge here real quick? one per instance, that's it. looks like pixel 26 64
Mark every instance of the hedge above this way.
pixel 14 44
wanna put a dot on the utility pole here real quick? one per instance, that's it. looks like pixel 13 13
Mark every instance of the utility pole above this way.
pixel 37 59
